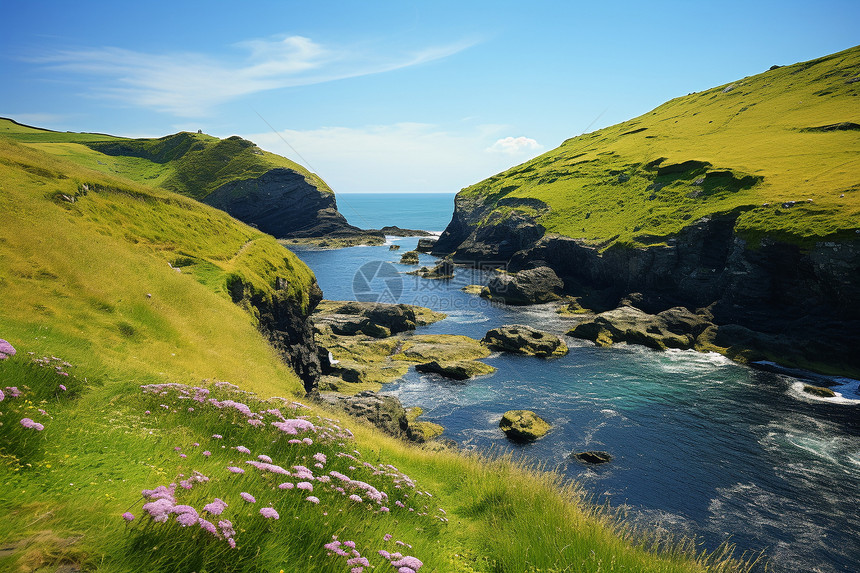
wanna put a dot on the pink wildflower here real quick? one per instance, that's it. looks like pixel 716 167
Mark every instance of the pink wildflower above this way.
pixel 226 528
pixel 387 537
pixel 13 391
pixel 186 519
pixel 411 562
pixel 235 470
pixel 183 456
pixel 243 450
pixel 231 543
pixel 286 485
pixel 269 513
pixel 6 349
pixel 358 561
pixel 158 510
pixel 307 486
pixel 147 412
pixel 208 526
pixel 28 423
pixel 248 497
pixel 264 458
pixel 385 554
pixel 356 498
pixel 207 453
pixel 63 386
pixel 308 441
pixel 128 516
pixel 320 457
pixel 215 507
pixel 217 436
pixel 313 499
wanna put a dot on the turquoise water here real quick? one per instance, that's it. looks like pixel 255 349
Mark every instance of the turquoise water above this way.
pixel 425 211
pixel 702 446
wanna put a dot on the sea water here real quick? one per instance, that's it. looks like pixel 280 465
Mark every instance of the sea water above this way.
pixel 701 446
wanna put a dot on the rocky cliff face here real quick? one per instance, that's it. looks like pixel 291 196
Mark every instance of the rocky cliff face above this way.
pixel 798 305
pixel 286 324
pixel 282 203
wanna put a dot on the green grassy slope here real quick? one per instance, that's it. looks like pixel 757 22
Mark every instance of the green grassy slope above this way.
pixel 788 134
pixel 192 164
pixel 80 251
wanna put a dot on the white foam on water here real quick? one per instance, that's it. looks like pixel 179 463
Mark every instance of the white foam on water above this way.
pixel 467 316
pixel 843 392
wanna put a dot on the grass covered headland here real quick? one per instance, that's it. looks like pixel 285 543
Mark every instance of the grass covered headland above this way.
pixel 781 147
pixel 139 428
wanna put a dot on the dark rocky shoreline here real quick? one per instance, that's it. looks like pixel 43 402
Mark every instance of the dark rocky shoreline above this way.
pixel 768 299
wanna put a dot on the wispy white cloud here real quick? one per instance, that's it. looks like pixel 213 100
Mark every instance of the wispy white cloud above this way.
pixel 192 84
pixel 401 157
pixel 515 146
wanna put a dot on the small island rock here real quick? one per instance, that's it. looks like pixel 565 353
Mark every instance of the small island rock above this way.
pixel 523 425
pixel 593 457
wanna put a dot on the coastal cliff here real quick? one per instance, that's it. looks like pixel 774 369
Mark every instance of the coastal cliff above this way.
pixel 259 188
pixel 738 200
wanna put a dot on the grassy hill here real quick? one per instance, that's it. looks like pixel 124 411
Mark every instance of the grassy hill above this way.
pixel 782 147
pixel 132 376
pixel 192 164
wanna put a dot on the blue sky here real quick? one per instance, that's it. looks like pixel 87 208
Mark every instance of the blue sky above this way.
pixel 390 96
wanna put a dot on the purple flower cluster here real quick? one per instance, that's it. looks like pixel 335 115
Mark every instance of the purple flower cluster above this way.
pixel 6 349
pixel 28 423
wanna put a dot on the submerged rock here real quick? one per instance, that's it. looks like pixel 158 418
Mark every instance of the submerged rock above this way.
pixel 819 391
pixel 525 340
pixel 457 370
pixel 523 425
pixel 593 457
pixel 530 286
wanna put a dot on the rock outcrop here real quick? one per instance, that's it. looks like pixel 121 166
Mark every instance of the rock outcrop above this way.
pixel 456 370
pixel 523 425
pixel 287 325
pixel 530 286
pixel 409 258
pixel 593 457
pixel 283 203
pixel 673 328
pixel 385 412
pixel 799 306
pixel 521 339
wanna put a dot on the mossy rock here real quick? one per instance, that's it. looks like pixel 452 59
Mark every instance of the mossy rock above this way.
pixel 474 289
pixel 525 340
pixel 457 370
pixel 820 391
pixel 441 348
pixel 523 425
pixel 409 258
pixel 424 431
